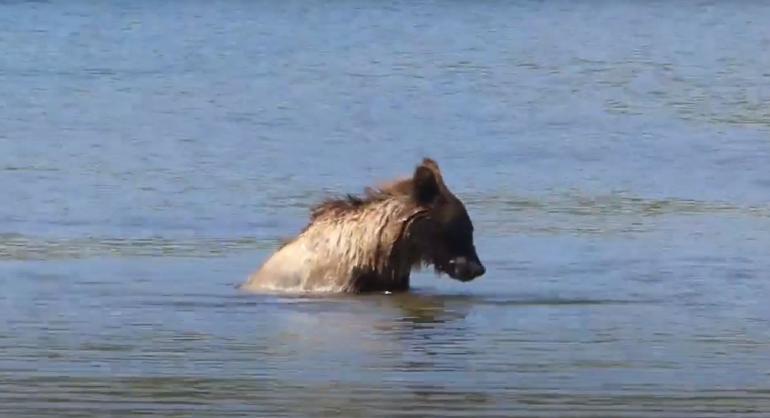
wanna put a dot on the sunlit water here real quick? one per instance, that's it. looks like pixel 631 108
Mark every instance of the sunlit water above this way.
pixel 614 157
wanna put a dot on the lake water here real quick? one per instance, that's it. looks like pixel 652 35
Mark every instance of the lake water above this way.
pixel 613 156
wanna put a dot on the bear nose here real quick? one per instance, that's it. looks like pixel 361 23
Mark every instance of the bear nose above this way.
pixel 477 269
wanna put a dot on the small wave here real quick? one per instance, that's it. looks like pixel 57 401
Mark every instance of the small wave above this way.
pixel 610 204
pixel 22 247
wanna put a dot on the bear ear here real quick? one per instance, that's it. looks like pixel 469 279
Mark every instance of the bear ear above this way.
pixel 426 185
pixel 431 163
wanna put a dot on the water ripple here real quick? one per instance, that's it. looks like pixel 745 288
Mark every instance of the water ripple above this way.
pixel 21 247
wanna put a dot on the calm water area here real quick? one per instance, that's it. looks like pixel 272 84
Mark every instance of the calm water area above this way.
pixel 613 157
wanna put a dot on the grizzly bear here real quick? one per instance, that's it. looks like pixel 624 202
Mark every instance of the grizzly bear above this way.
pixel 372 243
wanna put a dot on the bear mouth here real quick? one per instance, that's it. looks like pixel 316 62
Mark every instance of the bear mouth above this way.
pixel 462 278
pixel 443 269
pixel 449 272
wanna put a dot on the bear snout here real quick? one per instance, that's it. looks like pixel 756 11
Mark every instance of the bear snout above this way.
pixel 465 270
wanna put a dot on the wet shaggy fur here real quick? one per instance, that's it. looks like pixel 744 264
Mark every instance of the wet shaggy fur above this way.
pixel 364 243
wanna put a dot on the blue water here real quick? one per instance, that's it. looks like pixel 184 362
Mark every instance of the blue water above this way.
pixel 613 158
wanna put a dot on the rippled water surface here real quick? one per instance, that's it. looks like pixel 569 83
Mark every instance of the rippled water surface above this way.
pixel 613 157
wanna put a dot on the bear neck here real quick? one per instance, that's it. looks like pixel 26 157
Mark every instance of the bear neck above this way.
pixel 370 245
